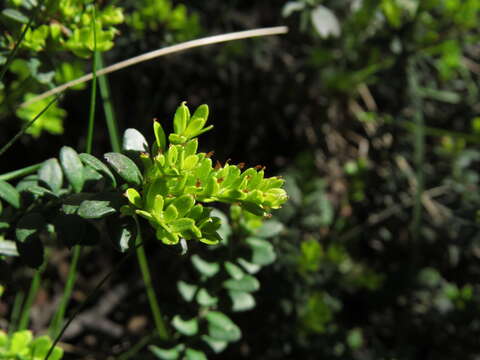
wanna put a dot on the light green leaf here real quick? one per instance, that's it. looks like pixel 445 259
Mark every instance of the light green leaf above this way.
pixel 72 167
pixel 203 267
pixel 263 252
pixel 185 327
pixel 186 290
pixel 217 345
pixel 9 194
pixel 205 299
pixel 51 173
pixel 242 301
pixel 247 283
pixel 192 354
pixel 166 354
pixel 220 327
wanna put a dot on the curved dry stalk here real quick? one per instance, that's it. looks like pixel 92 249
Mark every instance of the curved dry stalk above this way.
pixel 161 52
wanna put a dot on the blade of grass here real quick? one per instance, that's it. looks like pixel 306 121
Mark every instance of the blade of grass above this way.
pixel 32 294
pixel 91 117
pixel 59 316
pixel 216 39
pixel 26 126
pixel 108 109
pixel 147 280
pixel 17 308
pixel 20 172
pixel 12 54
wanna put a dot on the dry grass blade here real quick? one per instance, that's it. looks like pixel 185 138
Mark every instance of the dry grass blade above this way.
pixel 164 51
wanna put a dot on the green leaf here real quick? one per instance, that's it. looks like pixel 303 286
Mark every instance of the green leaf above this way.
pixel 185 327
pixel 15 15
pixel 247 283
pixel 95 209
pixel 270 228
pixel 192 354
pixel 181 118
pixel 233 270
pixel 20 341
pixel 325 22
pixel 184 204
pixel 9 194
pixel 134 197
pixel 134 141
pixel 122 231
pixel 248 266
pixel 186 290
pixel 263 252
pixel 166 354
pixel 205 299
pixel 51 174
pixel 217 345
pixel 124 167
pixel 159 136
pixel 97 165
pixel 220 327
pixel 8 248
pixel 203 267
pixel 73 168
pixel 242 301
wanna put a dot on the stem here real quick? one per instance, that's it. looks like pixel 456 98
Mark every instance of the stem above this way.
pixel 32 293
pixel 17 308
pixel 71 277
pixel 21 172
pixel 26 126
pixel 147 280
pixel 108 109
pixel 93 94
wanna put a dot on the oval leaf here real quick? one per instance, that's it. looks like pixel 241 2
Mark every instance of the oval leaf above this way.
pixel 134 141
pixel 51 174
pixel 124 167
pixel 9 194
pixel 96 164
pixel 73 168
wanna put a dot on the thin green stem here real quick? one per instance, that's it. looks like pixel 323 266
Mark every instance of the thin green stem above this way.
pixel 147 280
pixel 93 94
pixel 59 316
pixel 17 308
pixel 32 294
pixel 20 172
pixel 26 126
pixel 108 109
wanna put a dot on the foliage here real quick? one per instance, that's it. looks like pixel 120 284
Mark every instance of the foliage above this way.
pixel 63 30
pixel 22 345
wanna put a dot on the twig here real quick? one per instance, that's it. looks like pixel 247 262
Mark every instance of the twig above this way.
pixel 161 52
